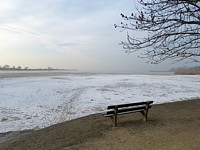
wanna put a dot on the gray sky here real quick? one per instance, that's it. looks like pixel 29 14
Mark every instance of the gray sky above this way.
pixel 71 34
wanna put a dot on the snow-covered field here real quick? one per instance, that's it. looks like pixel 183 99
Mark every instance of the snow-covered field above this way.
pixel 37 102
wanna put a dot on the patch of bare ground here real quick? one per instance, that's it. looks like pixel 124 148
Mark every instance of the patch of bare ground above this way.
pixel 171 126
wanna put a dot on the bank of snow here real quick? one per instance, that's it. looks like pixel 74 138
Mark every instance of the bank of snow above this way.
pixel 37 102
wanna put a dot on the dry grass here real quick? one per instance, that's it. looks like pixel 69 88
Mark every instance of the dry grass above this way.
pixel 187 72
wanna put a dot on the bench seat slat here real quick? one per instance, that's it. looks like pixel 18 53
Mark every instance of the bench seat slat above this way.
pixel 122 113
pixel 132 109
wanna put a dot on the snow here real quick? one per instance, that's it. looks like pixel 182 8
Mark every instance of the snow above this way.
pixel 38 102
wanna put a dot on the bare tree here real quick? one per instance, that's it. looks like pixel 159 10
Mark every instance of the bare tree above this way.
pixel 171 29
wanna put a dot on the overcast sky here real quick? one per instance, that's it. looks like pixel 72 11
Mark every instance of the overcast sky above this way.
pixel 71 34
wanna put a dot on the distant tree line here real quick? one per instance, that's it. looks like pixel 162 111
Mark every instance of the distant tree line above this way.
pixel 8 67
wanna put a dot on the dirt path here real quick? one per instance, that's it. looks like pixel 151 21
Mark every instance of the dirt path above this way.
pixel 171 126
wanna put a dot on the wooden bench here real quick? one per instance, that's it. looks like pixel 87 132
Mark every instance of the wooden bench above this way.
pixel 115 110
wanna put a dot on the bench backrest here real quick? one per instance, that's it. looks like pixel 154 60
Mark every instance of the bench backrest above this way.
pixel 130 105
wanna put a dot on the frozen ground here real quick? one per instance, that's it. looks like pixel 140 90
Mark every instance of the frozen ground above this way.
pixel 37 102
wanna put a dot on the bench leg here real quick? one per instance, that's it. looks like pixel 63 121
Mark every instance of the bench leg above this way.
pixel 114 121
pixel 145 113
pixel 115 117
